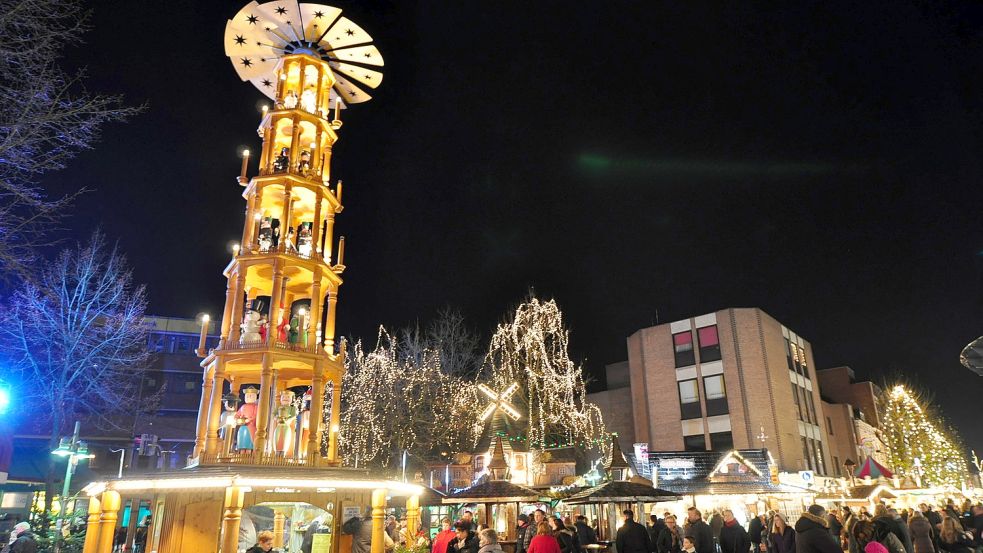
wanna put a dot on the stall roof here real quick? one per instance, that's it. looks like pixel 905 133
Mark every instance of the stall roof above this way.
pixel 493 491
pixel 738 471
pixel 621 491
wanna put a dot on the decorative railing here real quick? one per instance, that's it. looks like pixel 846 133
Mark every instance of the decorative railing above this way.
pixel 230 345
pixel 265 459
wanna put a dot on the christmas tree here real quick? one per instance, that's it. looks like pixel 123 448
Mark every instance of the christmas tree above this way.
pixel 919 445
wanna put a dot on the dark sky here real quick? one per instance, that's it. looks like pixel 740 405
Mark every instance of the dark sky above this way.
pixel 821 162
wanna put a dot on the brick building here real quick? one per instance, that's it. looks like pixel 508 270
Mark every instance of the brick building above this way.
pixel 735 378
pixel 851 417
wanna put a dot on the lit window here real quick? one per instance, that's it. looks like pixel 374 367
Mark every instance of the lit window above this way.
pixel 683 346
pixel 713 387
pixel 688 392
pixel 709 343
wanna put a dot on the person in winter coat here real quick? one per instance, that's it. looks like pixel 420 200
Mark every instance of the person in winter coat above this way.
pixel 699 531
pixel 264 542
pixel 488 541
pixel 976 523
pixel 543 541
pixel 733 536
pixel 782 537
pixel 444 537
pixel 757 531
pixel 716 522
pixel 22 539
pixel 585 534
pixel 362 538
pixel 953 539
pixel 655 528
pixel 670 539
pixel 465 540
pixel 883 533
pixel 900 529
pixel 632 536
pixel 921 533
pixel 563 536
pixel 523 533
pixel 812 533
pixel 835 525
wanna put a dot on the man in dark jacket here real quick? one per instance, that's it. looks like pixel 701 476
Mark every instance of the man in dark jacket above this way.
pixel 699 530
pixel 524 533
pixel 835 526
pixel 897 527
pixel 934 517
pixel 733 536
pixel 812 533
pixel 756 531
pixel 466 541
pixel 585 534
pixel 632 537
pixel 655 528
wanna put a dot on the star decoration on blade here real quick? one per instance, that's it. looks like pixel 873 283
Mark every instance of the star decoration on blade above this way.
pixel 252 19
pixel 267 83
pixel 240 40
pixel 318 14
pixel 353 93
pixel 349 32
pixel 246 62
pixel 280 10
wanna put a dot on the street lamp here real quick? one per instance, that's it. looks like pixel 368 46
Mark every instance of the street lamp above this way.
pixel 74 449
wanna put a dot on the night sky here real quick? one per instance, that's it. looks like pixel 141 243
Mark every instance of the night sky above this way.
pixel 636 161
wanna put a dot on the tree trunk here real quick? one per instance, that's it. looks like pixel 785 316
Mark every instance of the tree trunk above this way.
pixel 49 478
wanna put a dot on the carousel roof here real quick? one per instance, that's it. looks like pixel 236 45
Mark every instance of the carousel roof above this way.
pixel 493 491
pixel 872 469
pixel 621 491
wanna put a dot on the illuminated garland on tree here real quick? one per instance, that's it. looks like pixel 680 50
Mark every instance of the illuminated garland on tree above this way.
pixel 909 434
pixel 392 403
pixel 532 350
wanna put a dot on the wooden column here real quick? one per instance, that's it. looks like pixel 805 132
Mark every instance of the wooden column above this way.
pixel 378 521
pixel 236 314
pixel 329 235
pixel 412 518
pixel 295 145
pixel 110 503
pixel 234 496
pixel 317 405
pixel 275 298
pixel 265 152
pixel 335 421
pixel 285 223
pixel 316 226
pixel 92 526
pixel 201 430
pixel 315 312
pixel 252 206
pixel 278 537
pixel 330 322
pixel 263 411
pixel 212 440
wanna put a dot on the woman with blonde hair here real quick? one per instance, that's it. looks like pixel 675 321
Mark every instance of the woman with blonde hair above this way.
pixel 782 536
pixel 921 533
pixel 953 539
pixel 488 541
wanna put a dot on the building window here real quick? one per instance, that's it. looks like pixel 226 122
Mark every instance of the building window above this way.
pixel 695 443
pixel 807 460
pixel 189 385
pixel 151 382
pixel 721 441
pixel 689 400
pixel 829 426
pixel 820 461
pixel 683 346
pixel 716 395
pixel 795 396
pixel 709 343
pixel 836 463
pixel 788 355
pixel 811 406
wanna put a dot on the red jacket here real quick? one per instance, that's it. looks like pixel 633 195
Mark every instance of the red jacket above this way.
pixel 441 540
pixel 544 543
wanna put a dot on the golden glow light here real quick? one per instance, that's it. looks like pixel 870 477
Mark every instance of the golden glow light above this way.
pixel 399 488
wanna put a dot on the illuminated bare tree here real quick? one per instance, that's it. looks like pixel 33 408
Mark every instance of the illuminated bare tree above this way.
pixel 46 118
pixel 76 342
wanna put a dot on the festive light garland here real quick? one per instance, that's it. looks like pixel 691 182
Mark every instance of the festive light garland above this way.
pixel 909 435
pixel 533 350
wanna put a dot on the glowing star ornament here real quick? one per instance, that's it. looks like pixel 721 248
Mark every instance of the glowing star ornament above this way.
pixel 499 402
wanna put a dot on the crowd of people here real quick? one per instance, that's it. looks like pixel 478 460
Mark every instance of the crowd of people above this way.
pixel 950 529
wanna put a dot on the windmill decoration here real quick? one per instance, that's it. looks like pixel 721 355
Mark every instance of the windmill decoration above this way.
pixel 260 34
pixel 499 402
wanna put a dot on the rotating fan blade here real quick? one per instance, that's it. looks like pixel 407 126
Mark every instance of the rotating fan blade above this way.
pixel 248 16
pixel 344 33
pixel 250 68
pixel 350 94
pixel 368 55
pixel 317 19
pixel 266 84
pixel 284 16
pixel 365 76
pixel 247 42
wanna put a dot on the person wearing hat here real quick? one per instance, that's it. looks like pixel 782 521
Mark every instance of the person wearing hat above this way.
pixel 523 533
pixel 22 539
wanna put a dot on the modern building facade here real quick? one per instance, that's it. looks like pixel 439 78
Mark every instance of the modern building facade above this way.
pixel 615 403
pixel 735 378
pixel 851 417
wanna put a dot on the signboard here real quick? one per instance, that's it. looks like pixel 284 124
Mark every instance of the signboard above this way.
pixel 321 543
pixel 677 463
pixel 349 512
pixel 807 476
